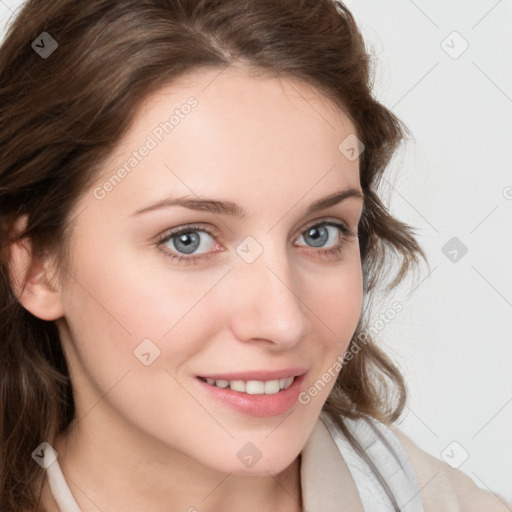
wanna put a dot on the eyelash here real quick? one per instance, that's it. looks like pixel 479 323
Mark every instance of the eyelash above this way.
pixel 346 235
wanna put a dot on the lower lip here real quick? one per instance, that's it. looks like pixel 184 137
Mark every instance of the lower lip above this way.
pixel 261 406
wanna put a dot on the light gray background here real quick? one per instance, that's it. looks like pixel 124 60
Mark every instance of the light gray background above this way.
pixel 452 339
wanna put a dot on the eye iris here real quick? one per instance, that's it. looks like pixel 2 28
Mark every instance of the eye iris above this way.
pixel 319 235
pixel 186 242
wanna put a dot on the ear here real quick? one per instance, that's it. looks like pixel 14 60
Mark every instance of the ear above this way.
pixel 32 280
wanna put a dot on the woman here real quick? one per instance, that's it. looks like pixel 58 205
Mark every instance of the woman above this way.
pixel 192 235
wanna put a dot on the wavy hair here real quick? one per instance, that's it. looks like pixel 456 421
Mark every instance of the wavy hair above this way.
pixel 60 118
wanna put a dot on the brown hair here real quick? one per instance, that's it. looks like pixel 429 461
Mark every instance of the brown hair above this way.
pixel 60 118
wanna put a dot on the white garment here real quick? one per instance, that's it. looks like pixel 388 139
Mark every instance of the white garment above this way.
pixel 324 486
pixel 388 455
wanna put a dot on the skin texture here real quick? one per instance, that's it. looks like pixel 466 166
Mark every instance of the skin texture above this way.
pixel 148 437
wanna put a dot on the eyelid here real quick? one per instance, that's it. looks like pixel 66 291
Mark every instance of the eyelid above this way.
pixel 185 228
pixel 332 221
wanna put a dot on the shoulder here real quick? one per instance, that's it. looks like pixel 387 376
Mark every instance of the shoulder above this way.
pixel 445 488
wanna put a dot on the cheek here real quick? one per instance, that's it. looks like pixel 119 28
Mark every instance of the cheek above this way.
pixel 339 310
pixel 339 301
pixel 337 306
pixel 120 353
pixel 120 306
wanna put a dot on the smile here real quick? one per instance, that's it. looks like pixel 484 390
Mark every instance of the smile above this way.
pixel 259 393
pixel 252 387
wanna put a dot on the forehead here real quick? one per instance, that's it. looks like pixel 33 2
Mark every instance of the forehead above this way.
pixel 253 90
pixel 232 126
pixel 240 97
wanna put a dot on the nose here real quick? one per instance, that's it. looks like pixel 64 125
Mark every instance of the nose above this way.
pixel 270 303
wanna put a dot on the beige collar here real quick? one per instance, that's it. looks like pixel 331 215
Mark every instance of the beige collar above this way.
pixel 327 485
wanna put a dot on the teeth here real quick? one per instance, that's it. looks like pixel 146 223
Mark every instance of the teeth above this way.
pixel 254 387
pixel 237 385
pixel 272 387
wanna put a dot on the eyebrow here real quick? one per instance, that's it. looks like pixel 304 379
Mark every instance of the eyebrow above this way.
pixel 234 210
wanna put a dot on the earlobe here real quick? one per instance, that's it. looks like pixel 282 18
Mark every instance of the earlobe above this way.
pixel 31 280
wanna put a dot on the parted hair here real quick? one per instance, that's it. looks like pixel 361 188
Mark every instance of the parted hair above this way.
pixel 60 118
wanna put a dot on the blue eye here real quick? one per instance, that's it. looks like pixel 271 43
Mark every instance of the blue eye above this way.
pixel 181 244
pixel 319 234
pixel 189 239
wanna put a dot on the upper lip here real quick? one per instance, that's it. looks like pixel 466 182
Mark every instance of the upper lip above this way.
pixel 262 375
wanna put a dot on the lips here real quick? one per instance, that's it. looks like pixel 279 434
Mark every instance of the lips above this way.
pixel 255 393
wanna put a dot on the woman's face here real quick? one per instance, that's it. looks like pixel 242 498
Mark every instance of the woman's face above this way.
pixel 248 286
